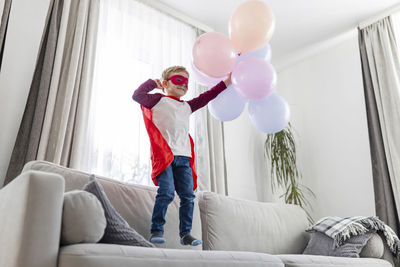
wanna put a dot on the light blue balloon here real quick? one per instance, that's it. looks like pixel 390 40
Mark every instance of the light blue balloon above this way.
pixel 269 115
pixel 228 105
pixel 264 53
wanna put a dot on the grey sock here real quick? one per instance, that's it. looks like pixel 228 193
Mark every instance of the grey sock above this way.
pixel 157 238
pixel 190 240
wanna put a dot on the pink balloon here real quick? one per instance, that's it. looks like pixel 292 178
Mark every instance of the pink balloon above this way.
pixel 213 54
pixel 251 26
pixel 254 78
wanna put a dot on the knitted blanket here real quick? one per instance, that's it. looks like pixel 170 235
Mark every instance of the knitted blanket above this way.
pixel 340 229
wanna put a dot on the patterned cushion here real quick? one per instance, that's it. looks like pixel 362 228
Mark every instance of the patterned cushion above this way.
pixel 117 230
pixel 321 244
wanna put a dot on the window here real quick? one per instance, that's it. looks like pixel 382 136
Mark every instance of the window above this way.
pixel 135 43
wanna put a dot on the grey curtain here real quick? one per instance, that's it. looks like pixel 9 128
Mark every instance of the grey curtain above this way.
pixel 55 114
pixel 381 77
pixel 3 26
pixel 216 141
pixel 210 149
pixel 27 142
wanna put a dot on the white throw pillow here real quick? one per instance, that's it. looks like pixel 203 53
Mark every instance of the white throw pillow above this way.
pixel 83 219
pixel 374 248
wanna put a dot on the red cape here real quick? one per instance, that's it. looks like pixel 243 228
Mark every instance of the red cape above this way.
pixel 161 154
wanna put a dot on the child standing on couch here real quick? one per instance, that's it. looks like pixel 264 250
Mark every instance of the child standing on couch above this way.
pixel 166 119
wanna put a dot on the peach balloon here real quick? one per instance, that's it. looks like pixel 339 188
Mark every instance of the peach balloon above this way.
pixel 251 26
pixel 214 54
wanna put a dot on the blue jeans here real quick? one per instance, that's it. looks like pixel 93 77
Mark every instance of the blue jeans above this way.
pixel 178 176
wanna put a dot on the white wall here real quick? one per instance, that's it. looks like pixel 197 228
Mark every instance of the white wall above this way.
pixel 20 52
pixel 325 92
pixel 323 86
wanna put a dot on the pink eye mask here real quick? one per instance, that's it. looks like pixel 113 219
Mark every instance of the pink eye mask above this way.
pixel 178 80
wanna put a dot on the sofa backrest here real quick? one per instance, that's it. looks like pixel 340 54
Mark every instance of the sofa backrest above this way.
pixel 242 225
pixel 133 202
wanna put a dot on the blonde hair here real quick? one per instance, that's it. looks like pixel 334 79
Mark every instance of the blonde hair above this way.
pixel 167 72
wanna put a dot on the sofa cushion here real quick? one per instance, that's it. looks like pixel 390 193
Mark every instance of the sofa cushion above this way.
pixel 83 219
pixel 133 202
pixel 117 231
pixel 327 261
pixel 321 244
pixel 242 225
pixel 105 255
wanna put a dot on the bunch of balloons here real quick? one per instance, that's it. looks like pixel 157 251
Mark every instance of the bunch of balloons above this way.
pixel 247 54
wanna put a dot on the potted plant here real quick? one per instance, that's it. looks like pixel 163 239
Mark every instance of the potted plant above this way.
pixel 280 149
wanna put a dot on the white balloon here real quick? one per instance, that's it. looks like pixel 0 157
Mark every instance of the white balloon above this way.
pixel 203 78
pixel 228 105
pixel 269 115
pixel 264 53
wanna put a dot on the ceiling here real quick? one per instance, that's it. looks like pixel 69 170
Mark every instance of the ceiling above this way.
pixel 299 24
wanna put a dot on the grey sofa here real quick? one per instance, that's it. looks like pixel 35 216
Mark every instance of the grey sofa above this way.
pixel 234 232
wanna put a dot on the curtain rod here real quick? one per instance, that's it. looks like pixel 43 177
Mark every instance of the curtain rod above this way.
pixel 385 13
pixel 177 15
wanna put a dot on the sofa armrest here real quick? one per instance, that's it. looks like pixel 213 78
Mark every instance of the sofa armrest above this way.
pixel 30 220
pixel 387 255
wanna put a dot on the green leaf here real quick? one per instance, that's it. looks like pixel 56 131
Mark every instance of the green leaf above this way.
pixel 280 150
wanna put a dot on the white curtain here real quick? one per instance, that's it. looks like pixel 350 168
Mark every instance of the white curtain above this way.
pixel 135 43
pixel 396 28
pixel 382 57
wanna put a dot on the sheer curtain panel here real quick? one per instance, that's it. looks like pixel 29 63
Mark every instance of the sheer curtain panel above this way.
pixel 135 43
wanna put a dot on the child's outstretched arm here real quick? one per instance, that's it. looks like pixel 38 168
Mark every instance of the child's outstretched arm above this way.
pixel 142 96
pixel 204 98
